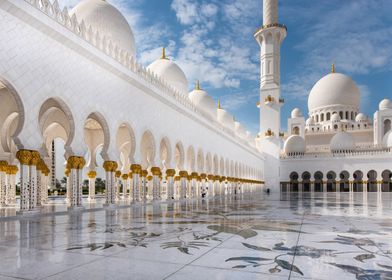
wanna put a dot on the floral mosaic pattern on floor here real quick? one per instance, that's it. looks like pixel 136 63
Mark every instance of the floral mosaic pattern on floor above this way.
pixel 259 237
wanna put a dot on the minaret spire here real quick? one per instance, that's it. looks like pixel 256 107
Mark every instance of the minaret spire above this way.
pixel 270 37
pixel 270 12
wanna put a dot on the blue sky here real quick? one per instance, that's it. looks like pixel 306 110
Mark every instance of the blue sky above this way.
pixel 212 40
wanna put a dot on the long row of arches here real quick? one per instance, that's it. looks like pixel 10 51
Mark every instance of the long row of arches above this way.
pixel 102 138
pixel 344 181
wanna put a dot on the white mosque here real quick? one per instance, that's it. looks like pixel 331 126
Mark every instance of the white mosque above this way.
pixel 73 75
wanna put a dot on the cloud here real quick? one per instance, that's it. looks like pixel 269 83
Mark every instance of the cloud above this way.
pixel 186 11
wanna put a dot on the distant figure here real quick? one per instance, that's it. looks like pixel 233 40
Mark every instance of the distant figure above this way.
pixel 267 191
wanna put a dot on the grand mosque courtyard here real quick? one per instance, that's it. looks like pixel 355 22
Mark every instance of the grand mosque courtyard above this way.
pixel 248 236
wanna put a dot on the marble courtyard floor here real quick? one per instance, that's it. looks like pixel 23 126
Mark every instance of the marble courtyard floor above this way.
pixel 326 236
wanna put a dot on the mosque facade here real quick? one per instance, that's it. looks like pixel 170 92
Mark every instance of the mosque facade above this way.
pixel 73 75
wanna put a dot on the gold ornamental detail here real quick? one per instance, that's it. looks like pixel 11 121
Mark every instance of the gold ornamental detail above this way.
pixel 92 174
pixel 24 157
pixel 183 174
pixel 3 166
pixel 170 172
pixel 156 171
pixel 136 168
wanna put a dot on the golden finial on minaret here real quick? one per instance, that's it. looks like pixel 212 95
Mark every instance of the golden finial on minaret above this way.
pixel 163 53
pixel 333 68
pixel 198 87
pixel 219 104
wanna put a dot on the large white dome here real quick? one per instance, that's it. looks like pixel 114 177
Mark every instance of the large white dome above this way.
pixel 106 19
pixel 171 73
pixel 334 89
pixel 295 144
pixel 342 141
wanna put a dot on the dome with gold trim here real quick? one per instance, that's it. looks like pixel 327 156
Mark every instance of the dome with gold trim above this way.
pixel 170 72
pixel 334 89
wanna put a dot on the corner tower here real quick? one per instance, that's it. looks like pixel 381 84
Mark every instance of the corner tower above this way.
pixel 270 37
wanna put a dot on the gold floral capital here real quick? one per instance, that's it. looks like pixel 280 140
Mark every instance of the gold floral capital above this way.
pixel 183 174
pixel 124 176
pixel 110 166
pixel 75 162
pixel 24 157
pixel 144 173
pixel 35 158
pixel 156 171
pixel 136 168
pixel 203 176
pixel 118 174
pixel 170 172
pixel 3 166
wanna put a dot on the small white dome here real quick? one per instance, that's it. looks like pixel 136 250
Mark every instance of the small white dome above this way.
pixel 335 117
pixel 225 118
pixel 385 104
pixel 171 73
pixel 310 122
pixel 361 118
pixel 296 113
pixel 342 141
pixel 387 139
pixel 334 89
pixel 203 102
pixel 295 144
pixel 108 21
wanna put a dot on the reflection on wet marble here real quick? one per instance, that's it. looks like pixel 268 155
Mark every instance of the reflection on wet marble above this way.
pixel 322 236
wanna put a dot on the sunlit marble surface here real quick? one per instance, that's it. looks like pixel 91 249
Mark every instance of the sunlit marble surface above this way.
pixel 323 236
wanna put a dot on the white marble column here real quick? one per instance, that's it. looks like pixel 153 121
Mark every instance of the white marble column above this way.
pixel 35 158
pixel 92 175
pixel 110 193
pixel 136 172
pixel 39 187
pixel 144 185
pixel 170 183
pixel 11 186
pixel 117 184
pixel 183 184
pixel 68 187
pixel 44 189
pixel 75 166
pixel 24 157
pixel 156 183
pixel 124 179
pixel 3 183
pixel 210 192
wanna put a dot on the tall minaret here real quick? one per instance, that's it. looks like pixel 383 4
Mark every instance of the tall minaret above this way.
pixel 270 37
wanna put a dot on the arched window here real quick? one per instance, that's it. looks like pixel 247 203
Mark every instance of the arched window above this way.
pixel 347 117
pixel 335 126
pixel 328 116
pixel 341 115
pixel 387 126
pixel 322 117
pixel 295 130
pixel 317 118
